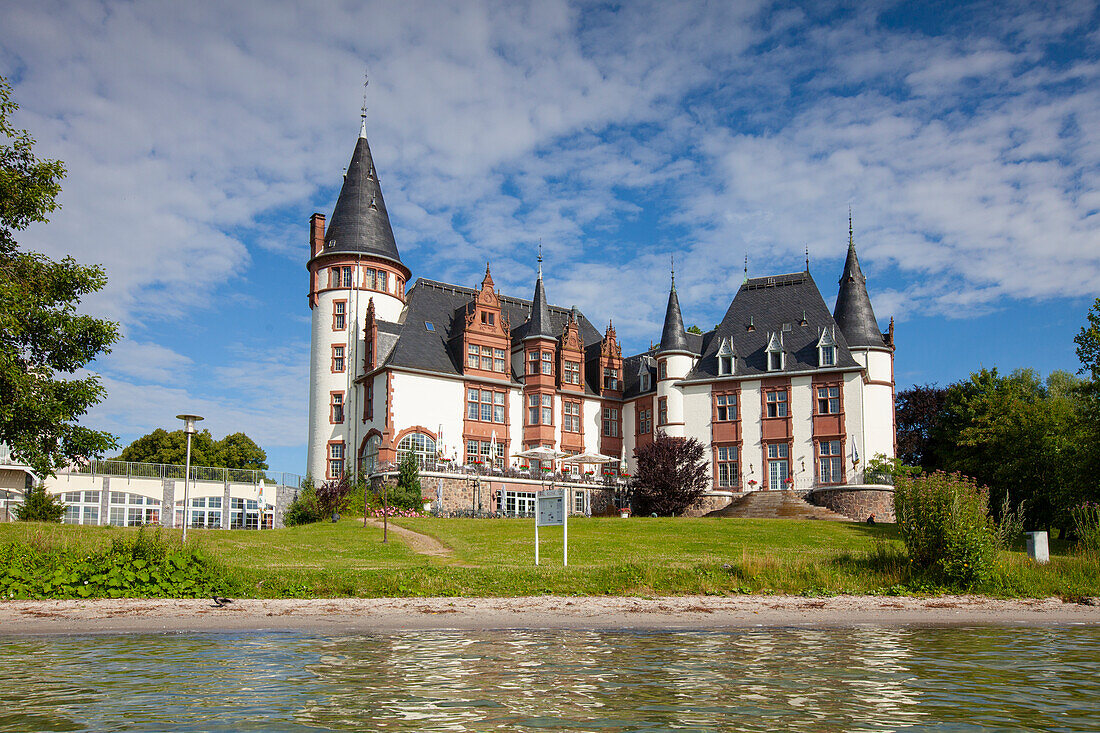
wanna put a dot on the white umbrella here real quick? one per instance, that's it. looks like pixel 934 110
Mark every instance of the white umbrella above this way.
pixel 542 453
pixel 493 450
pixel 589 458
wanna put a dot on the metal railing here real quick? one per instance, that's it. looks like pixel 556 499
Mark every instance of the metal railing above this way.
pixel 130 469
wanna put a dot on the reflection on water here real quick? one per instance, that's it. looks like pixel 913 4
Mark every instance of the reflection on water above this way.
pixel 858 679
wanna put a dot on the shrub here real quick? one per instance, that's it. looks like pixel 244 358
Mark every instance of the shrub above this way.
pixel 333 495
pixel 1010 528
pixel 304 509
pixel 944 521
pixel 671 476
pixel 40 505
pixel 1086 522
pixel 141 565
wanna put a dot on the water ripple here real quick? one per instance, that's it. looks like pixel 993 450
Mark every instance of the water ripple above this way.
pixel 865 679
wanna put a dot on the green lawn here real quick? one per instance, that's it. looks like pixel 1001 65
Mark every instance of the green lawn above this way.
pixel 639 556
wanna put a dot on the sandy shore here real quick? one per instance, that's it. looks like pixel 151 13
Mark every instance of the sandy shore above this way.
pixel 344 615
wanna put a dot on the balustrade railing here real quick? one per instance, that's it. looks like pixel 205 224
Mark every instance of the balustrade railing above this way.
pixel 130 469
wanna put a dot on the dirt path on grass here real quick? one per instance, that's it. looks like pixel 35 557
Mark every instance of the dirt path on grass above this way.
pixel 420 543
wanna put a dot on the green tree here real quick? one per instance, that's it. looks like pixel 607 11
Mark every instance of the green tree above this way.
pixel 408 493
pixel 694 329
pixel 1088 343
pixel 160 446
pixel 237 450
pixel 42 336
pixel 671 475
pixel 40 505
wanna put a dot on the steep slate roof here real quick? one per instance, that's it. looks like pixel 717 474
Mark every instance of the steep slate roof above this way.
pixel 673 335
pixel 771 302
pixel 853 311
pixel 538 322
pixel 360 222
pixel 444 306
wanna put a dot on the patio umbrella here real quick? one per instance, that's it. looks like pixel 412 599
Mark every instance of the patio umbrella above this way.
pixel 493 450
pixel 541 453
pixel 589 458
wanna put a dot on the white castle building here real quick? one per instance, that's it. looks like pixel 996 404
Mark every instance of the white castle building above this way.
pixel 782 392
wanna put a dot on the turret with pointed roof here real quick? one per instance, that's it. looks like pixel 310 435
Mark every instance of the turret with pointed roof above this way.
pixel 673 336
pixel 538 324
pixel 853 312
pixel 360 223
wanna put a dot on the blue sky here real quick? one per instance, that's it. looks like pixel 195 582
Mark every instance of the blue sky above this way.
pixel 200 136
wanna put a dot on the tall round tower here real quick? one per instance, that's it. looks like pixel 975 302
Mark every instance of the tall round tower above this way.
pixel 674 360
pixel 354 267
pixel 856 319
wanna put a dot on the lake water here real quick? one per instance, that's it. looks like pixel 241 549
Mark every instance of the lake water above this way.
pixel 860 679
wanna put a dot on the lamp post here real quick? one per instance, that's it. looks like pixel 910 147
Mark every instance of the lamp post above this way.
pixel 189 428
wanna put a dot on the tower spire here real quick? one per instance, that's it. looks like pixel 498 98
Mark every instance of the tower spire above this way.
pixel 673 336
pixel 853 312
pixel 672 268
pixel 363 109
pixel 538 324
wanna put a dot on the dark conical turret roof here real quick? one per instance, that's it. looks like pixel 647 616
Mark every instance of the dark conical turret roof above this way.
pixel 853 312
pixel 673 336
pixel 360 222
pixel 538 324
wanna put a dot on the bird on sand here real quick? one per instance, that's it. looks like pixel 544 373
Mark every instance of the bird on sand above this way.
pixel 220 602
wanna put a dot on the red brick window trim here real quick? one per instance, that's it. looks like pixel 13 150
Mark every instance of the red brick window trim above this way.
pixel 571 372
pixel 540 409
pixel 571 416
pixel 339 315
pixel 777 402
pixel 725 407
pixel 645 420
pixel 339 358
pixel 828 399
pixel 335 465
pixel 830 461
pixel 336 408
pixel 368 401
pixel 611 422
pixel 727 466
pixel 485 405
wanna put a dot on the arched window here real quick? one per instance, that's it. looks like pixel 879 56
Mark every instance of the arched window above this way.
pixel 420 445
pixel 369 459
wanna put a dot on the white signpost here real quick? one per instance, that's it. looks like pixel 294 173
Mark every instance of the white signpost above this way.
pixel 551 513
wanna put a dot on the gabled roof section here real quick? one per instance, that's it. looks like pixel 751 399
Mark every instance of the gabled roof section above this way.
pixel 853 312
pixel 776 306
pixel 360 222
pixel 444 306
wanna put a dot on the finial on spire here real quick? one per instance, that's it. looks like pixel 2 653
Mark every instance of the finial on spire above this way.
pixel 851 241
pixel 363 109
pixel 540 258
pixel 807 258
pixel 672 268
pixel 746 279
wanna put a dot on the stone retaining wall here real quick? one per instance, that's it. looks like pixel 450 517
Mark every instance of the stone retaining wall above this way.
pixel 857 502
pixel 451 493
pixel 711 501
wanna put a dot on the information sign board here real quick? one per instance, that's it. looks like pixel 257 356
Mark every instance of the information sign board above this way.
pixel 552 507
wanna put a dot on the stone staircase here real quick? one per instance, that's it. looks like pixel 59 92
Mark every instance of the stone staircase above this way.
pixel 776 505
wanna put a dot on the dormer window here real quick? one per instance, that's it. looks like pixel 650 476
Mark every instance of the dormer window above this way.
pixel 775 352
pixel 826 349
pixel 643 381
pixel 725 358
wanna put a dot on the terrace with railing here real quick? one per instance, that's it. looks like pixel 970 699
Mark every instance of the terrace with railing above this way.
pixel 129 469
pixel 601 477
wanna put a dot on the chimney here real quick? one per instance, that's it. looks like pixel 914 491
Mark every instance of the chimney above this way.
pixel 316 234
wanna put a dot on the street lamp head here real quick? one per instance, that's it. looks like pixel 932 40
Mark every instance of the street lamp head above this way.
pixel 189 423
